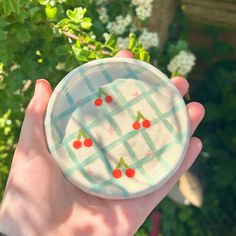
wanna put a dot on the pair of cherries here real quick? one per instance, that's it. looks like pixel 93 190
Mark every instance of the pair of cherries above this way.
pixel 117 173
pixel 145 123
pixel 98 101
pixel 88 142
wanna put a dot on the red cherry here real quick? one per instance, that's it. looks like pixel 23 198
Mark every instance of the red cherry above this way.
pixel 146 123
pixel 116 173
pixel 130 172
pixel 98 102
pixel 136 125
pixel 88 142
pixel 77 144
pixel 108 99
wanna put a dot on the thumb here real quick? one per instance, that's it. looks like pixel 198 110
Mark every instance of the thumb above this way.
pixel 38 104
pixel 32 127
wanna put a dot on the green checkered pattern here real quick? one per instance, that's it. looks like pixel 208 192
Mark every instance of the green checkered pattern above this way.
pixel 129 70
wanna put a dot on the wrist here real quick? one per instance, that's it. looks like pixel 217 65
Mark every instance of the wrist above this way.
pixel 17 218
pixel 11 222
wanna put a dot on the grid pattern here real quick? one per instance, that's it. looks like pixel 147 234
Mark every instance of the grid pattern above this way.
pixel 100 152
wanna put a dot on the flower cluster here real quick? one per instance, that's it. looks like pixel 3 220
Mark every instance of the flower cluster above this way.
pixel 99 2
pixel 149 39
pixel 122 43
pixel 103 17
pixel 119 26
pixel 106 35
pixel 53 2
pixel 143 8
pixel 182 63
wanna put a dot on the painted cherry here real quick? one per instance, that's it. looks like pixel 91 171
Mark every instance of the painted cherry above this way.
pixel 108 99
pixel 136 125
pixel 130 172
pixel 116 173
pixel 88 142
pixel 146 124
pixel 98 102
pixel 77 144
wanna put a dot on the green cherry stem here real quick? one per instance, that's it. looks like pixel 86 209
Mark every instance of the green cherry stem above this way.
pixel 82 134
pixel 140 116
pixel 101 92
pixel 122 163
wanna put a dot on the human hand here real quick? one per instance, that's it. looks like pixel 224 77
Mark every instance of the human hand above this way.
pixel 38 200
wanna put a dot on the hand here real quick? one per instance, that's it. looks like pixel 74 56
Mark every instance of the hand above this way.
pixel 38 200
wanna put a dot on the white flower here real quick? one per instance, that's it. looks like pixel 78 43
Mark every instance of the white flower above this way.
pixel 149 39
pixel 106 35
pixel 122 43
pixel 103 14
pixel 144 11
pixel 143 8
pixel 141 2
pixel 93 36
pixel 133 28
pixel 99 2
pixel 119 26
pixel 8 122
pixel 52 3
pixel 182 63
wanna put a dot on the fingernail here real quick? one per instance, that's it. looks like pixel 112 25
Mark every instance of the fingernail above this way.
pixel 38 87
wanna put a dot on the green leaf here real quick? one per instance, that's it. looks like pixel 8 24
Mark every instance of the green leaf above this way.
pixel 111 41
pixel 3 35
pixel 132 41
pixel 21 33
pixel 100 56
pixel 135 51
pixel 1 67
pixel 144 56
pixel 63 23
pixel 10 6
pixel 62 50
pixel 80 54
pixel 35 14
pixel 51 12
pixel 44 2
pixel 86 23
pixel 67 25
pixel 77 14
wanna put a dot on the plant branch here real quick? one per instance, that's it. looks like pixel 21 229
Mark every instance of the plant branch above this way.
pixel 72 36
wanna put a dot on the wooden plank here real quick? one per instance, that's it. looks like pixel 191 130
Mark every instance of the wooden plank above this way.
pixel 209 15
pixel 213 4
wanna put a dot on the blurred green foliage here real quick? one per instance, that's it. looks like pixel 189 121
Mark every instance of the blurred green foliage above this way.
pixel 30 48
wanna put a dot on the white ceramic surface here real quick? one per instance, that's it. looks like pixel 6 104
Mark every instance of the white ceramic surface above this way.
pixel 117 128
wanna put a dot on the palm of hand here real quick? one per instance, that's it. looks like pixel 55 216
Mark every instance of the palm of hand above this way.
pixel 56 207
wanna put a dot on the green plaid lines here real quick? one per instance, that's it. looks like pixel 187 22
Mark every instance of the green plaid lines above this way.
pixel 108 115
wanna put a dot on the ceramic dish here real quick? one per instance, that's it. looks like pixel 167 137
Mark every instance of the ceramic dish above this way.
pixel 117 128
